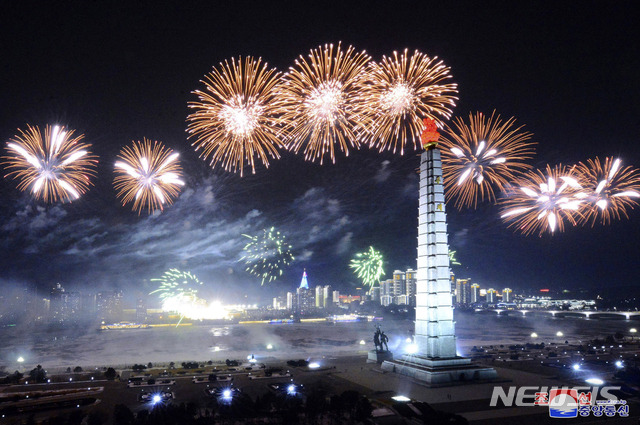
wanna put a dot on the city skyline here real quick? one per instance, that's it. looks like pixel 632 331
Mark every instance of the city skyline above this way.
pixel 560 88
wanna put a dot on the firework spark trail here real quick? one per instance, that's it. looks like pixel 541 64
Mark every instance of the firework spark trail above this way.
pixel 539 202
pixel 609 189
pixel 452 258
pixel 267 254
pixel 147 174
pixel 482 156
pixel 54 167
pixel 401 91
pixel 368 266
pixel 324 102
pixel 237 117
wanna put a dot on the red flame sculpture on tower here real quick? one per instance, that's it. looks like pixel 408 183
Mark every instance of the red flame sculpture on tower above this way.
pixel 430 134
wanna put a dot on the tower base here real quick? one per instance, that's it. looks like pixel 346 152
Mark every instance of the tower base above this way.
pixel 376 356
pixel 439 372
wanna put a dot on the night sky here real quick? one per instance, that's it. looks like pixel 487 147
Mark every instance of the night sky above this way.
pixel 121 71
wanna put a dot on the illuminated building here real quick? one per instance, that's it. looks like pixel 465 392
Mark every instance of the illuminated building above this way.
pixel 507 295
pixel 336 297
pixel 491 296
pixel 411 279
pixel 463 291
pixel 327 296
pixel 56 303
pixel 324 296
pixel 109 306
pixel 475 293
pixel 305 299
pixel 401 289
pixel 452 282
pixel 374 293
pixel 141 311
pixel 289 301
pixel 303 283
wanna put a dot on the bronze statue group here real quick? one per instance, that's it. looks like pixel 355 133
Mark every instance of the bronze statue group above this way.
pixel 380 339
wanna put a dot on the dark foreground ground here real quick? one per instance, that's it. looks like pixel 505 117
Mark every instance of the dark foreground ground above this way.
pixel 363 387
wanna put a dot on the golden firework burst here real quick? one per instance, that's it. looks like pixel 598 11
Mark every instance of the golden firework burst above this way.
pixel 324 102
pixel 402 90
pixel 237 117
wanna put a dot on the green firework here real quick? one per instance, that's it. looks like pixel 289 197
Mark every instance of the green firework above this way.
pixel 267 254
pixel 368 266
pixel 176 282
pixel 452 258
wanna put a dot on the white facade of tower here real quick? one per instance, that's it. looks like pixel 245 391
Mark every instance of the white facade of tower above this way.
pixel 435 327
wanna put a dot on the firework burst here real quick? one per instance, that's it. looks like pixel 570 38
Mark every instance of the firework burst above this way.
pixel 147 174
pixel 452 259
pixel 482 156
pixel 324 101
pixel 609 189
pixel 403 90
pixel 267 254
pixel 368 266
pixel 539 202
pixel 56 166
pixel 178 292
pixel 236 118
pixel 175 282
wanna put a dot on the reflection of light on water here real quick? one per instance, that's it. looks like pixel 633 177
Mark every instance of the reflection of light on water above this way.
pixel 299 340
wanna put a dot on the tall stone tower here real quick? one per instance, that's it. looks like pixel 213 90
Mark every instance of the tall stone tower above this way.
pixel 435 328
pixel 435 361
